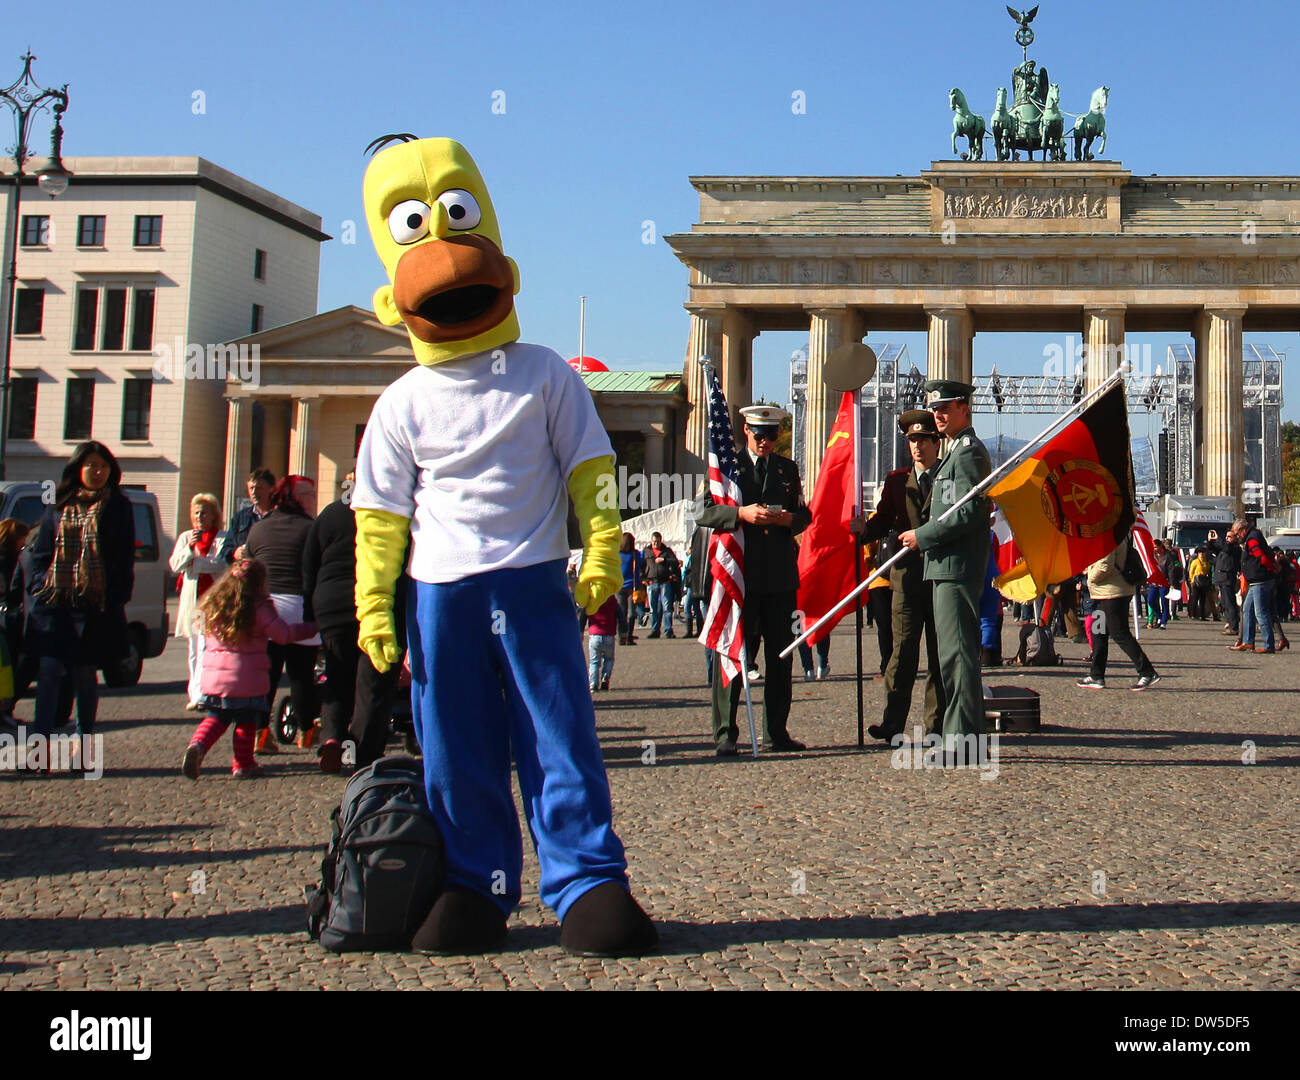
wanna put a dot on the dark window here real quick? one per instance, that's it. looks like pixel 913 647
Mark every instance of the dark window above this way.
pixel 90 230
pixel 114 333
pixel 148 230
pixel 36 230
pixel 22 409
pixel 87 313
pixel 257 319
pixel 137 396
pixel 31 311
pixel 259 264
pixel 142 322
pixel 79 411
pixel 359 434
pixel 146 532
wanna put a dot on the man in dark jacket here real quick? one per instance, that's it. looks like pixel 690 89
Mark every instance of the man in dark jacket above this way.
pixel 772 513
pixel 1258 568
pixel 1227 565
pixel 662 575
pixel 261 482
pixel 904 504
pixel 356 700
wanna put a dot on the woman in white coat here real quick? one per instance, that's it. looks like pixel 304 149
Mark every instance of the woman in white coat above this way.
pixel 197 558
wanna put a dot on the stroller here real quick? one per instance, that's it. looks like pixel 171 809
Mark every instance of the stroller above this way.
pixel 285 724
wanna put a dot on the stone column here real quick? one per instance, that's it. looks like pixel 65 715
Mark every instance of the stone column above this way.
pixel 948 351
pixel 654 451
pixel 239 451
pixel 828 329
pixel 1103 344
pixel 737 372
pixel 705 340
pixel 1218 335
pixel 304 442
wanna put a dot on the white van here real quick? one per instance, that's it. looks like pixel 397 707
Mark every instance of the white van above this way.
pixel 146 614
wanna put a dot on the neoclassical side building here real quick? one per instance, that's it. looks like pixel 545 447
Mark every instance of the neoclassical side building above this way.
pixel 318 378
pixel 1074 248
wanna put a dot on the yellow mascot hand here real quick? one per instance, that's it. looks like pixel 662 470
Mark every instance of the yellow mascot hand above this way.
pixel 381 553
pixel 595 498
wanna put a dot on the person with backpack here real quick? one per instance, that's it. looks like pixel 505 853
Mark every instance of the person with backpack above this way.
pixel 1258 569
pixel 1112 595
pixel 238 620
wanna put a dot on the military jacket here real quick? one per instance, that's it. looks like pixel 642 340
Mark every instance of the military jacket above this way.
pixel 771 557
pixel 958 549
pixel 900 507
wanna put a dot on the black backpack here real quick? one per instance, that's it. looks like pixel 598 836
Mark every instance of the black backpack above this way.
pixel 385 864
pixel 1133 571
pixel 1037 647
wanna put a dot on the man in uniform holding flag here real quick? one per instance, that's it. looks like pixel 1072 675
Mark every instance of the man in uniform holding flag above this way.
pixel 905 504
pixel 956 557
pixel 771 511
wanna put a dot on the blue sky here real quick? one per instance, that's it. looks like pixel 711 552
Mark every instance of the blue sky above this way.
pixel 608 109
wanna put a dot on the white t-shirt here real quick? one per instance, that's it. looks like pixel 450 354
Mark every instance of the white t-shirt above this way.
pixel 477 452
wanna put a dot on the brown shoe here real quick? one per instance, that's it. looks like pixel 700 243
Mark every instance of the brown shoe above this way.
pixel 265 742
pixel 1268 651
pixel 1239 647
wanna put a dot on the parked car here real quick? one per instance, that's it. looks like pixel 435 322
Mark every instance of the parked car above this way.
pixel 146 614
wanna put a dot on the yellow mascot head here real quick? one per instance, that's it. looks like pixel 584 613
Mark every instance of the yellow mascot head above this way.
pixel 433 225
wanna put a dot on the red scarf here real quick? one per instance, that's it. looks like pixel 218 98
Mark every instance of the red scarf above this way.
pixel 203 546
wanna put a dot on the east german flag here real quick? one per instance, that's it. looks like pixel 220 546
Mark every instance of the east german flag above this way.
pixel 1072 501
pixel 827 548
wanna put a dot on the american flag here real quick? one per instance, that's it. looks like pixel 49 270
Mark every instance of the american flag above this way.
pixel 723 623
pixel 1147 552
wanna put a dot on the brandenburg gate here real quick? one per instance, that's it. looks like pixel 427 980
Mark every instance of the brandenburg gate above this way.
pixel 1082 248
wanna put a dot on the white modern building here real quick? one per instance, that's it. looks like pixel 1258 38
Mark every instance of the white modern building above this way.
pixel 127 284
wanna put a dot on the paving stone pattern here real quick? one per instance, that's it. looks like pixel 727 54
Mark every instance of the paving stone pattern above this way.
pixel 1126 845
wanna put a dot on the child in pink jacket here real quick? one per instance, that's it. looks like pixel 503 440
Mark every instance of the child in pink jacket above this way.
pixel 238 618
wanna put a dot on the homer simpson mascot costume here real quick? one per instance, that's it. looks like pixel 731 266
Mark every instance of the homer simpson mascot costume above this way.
pixel 475 453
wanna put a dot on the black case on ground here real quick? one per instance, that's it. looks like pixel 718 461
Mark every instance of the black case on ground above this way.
pixel 1011 709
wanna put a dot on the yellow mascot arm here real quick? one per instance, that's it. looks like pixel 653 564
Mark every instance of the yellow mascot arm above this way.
pixel 595 498
pixel 381 552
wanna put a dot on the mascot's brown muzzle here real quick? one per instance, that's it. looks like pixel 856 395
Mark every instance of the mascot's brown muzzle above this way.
pixel 453 289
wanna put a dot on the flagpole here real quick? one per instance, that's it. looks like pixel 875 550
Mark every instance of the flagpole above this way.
pixel 857 550
pixel 749 704
pixel 1031 446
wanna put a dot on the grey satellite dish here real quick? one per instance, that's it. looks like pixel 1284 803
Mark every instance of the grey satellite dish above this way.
pixel 849 367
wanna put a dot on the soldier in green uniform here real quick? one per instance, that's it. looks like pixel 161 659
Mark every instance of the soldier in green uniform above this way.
pixel 904 504
pixel 956 558
pixel 772 513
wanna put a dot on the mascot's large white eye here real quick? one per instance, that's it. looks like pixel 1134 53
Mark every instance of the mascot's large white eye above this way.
pixel 462 209
pixel 409 221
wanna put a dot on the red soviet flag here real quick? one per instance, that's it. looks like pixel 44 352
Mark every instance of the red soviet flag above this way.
pixel 827 548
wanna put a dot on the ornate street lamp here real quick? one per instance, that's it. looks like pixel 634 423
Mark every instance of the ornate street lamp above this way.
pixel 25 99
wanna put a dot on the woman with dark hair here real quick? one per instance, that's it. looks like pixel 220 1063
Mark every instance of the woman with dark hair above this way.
pixel 82 575
pixel 632 563
pixel 279 541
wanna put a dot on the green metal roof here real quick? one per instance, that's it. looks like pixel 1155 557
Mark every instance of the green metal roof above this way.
pixel 633 382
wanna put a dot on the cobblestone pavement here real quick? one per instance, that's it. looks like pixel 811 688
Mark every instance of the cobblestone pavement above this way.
pixel 1126 845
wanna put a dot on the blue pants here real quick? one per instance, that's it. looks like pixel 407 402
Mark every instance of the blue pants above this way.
pixel 661 606
pixel 57 683
pixel 600 659
pixel 1258 608
pixel 496 669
